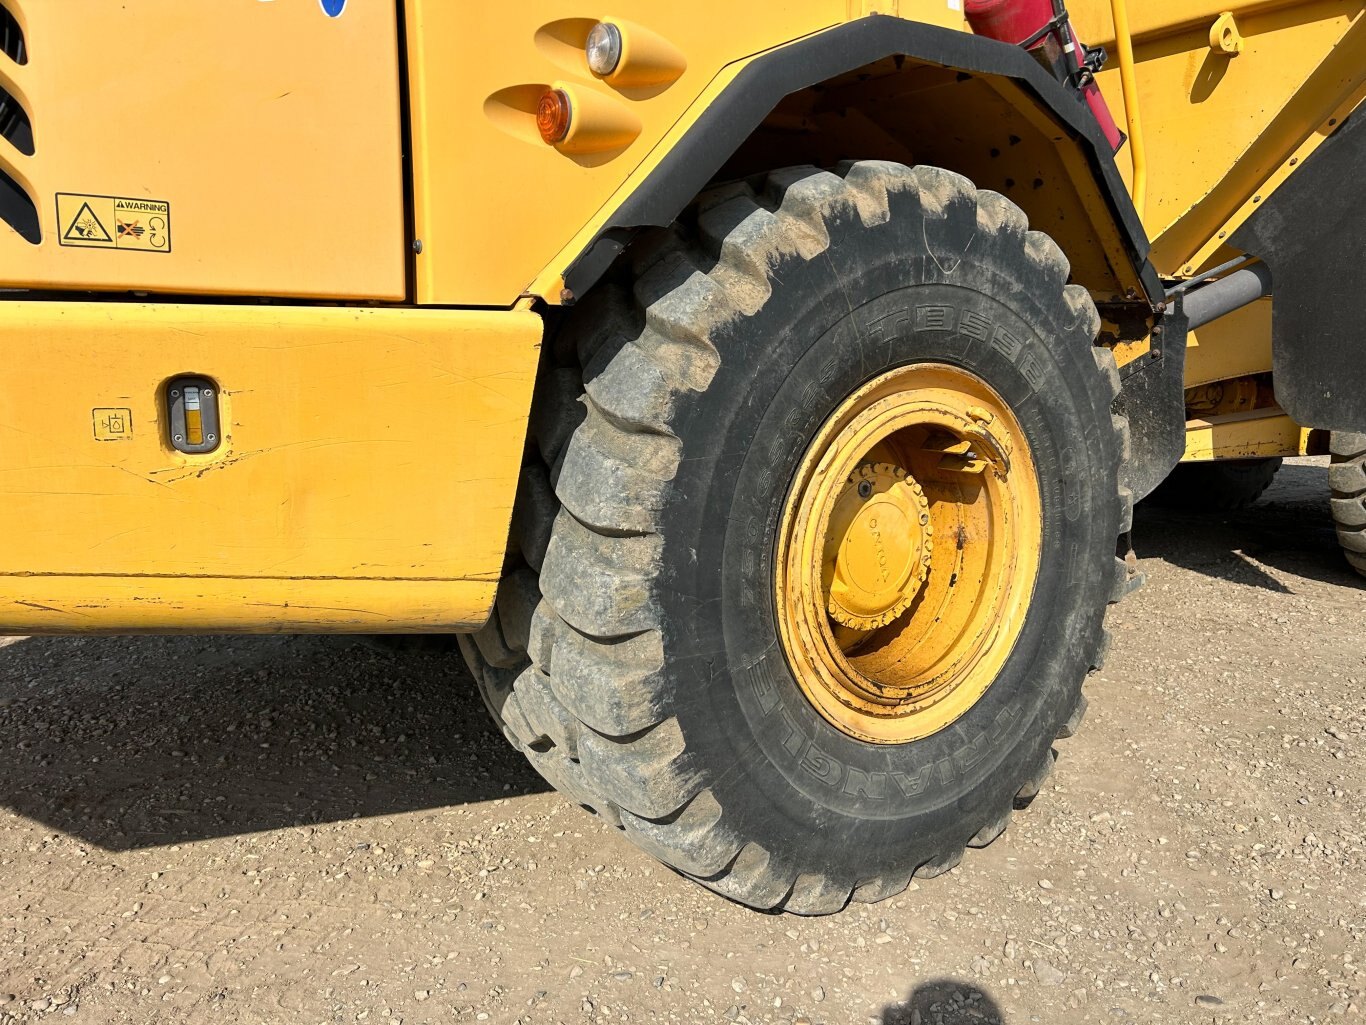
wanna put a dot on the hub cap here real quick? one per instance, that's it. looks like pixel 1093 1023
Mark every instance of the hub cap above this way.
pixel 877 550
pixel 908 553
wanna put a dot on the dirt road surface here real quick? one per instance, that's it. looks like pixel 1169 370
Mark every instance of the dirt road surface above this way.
pixel 305 830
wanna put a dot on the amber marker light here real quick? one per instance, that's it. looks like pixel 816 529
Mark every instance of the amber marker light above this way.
pixel 194 417
pixel 553 114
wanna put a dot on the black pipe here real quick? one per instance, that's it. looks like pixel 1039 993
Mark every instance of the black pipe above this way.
pixel 1212 301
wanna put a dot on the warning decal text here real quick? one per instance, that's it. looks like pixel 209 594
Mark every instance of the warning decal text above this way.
pixel 114 222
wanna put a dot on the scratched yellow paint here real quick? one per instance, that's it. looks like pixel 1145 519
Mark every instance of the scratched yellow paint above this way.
pixel 1258 434
pixel 119 604
pixel 370 447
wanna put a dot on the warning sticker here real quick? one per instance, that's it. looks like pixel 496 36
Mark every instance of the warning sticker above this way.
pixel 114 222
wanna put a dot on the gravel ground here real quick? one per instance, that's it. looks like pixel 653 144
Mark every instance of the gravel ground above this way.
pixel 304 830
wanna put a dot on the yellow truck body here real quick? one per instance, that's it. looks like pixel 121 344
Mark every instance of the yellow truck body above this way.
pixel 350 222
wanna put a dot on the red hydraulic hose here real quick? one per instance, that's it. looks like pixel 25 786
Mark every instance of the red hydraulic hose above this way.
pixel 1025 21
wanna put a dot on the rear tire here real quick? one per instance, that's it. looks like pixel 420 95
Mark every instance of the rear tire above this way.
pixel 635 658
pixel 1225 485
pixel 1347 478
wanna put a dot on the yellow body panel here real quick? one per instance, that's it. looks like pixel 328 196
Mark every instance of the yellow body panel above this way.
pixel 1221 130
pixel 156 604
pixel 367 447
pixel 370 455
pixel 1237 345
pixel 497 209
pixel 1259 434
pixel 1235 96
pixel 270 130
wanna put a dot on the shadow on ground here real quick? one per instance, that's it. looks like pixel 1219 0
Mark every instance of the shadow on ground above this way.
pixel 945 1002
pixel 1290 529
pixel 131 742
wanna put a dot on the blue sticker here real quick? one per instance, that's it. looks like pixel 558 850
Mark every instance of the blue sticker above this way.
pixel 333 8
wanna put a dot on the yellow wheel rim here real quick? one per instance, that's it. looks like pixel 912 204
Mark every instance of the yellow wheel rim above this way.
pixel 908 553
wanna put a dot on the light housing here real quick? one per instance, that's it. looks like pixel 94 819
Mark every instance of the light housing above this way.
pixel 554 113
pixel 603 48
pixel 192 417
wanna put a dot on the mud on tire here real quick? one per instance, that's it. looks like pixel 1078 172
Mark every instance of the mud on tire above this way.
pixel 633 656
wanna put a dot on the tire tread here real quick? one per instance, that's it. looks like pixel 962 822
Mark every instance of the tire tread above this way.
pixel 1347 478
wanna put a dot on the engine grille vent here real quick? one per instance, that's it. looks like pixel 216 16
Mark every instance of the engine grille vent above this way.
pixel 17 208
pixel 14 123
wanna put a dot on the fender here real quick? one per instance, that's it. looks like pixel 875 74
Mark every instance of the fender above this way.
pixel 723 128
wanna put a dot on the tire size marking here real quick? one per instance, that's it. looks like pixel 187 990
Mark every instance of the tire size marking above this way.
pixel 968 323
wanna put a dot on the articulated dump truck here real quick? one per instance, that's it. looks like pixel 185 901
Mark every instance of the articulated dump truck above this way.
pixel 758 393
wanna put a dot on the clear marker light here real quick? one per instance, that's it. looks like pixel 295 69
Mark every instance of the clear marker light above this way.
pixel 603 48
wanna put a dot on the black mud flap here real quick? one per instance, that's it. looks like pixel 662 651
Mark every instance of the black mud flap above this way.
pixel 1153 397
pixel 1312 234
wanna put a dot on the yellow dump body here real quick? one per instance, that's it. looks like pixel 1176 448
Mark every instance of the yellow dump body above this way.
pixel 343 215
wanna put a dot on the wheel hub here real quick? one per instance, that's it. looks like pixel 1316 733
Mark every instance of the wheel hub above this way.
pixel 908 553
pixel 878 547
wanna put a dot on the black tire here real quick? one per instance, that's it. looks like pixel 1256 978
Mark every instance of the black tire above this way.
pixel 1347 478
pixel 1225 485
pixel 655 691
